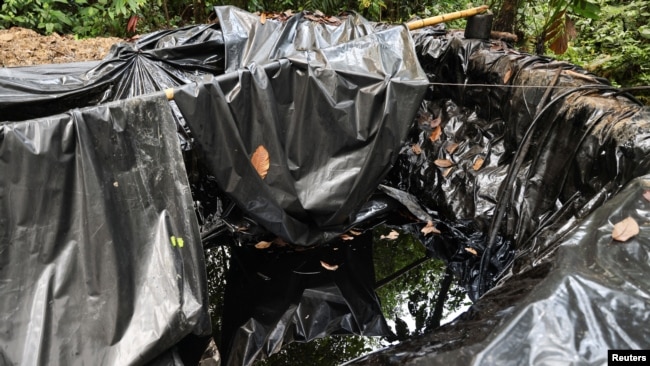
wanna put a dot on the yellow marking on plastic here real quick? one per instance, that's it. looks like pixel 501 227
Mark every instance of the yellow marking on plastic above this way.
pixel 173 239
pixel 180 242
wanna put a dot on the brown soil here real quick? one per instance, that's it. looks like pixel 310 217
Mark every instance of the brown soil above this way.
pixel 24 47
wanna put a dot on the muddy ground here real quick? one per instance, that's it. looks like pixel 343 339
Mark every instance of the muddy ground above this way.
pixel 24 47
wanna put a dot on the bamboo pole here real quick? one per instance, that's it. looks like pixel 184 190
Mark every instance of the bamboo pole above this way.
pixel 420 23
pixel 415 24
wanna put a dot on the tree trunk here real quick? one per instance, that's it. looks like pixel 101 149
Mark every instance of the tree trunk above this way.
pixel 506 16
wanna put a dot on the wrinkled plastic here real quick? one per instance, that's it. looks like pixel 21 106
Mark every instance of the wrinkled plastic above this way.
pixel 101 259
pixel 557 148
pixel 332 111
pixel 530 177
pixel 278 296
pixel 157 61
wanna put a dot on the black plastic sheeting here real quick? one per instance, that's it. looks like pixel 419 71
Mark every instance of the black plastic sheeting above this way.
pixel 520 158
pixel 272 294
pixel 544 159
pixel 100 254
pixel 332 111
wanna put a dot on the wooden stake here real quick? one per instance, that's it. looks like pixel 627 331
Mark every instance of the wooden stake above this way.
pixel 169 93
pixel 421 23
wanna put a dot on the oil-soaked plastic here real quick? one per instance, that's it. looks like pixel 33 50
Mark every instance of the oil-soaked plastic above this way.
pixel 520 161
pixel 101 259
pixel 524 159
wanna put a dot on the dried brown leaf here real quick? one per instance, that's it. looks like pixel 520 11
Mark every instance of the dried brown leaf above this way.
pixel 478 163
pixel 261 161
pixel 626 229
pixel 263 18
pixel 391 236
pixel 429 228
pixel 443 163
pixel 435 134
pixel 646 195
pixel 447 171
pixel 329 267
pixel 471 250
pixel 417 150
pixel 355 232
pixel 347 237
pixel 263 244
pixel 506 76
pixel 280 242
pixel 451 147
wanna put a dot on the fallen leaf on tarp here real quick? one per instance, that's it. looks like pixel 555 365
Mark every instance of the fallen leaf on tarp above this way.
pixel 447 171
pixel 417 150
pixel 391 236
pixel 261 161
pixel 333 20
pixel 347 237
pixel 443 163
pixel 626 229
pixel 506 76
pixel 471 250
pixel 279 242
pixel 451 148
pixel 263 244
pixel 329 267
pixel 478 163
pixel 646 195
pixel 435 134
pixel 429 228
pixel 263 18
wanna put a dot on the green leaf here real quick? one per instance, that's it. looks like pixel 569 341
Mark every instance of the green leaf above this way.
pixel 644 31
pixel 586 9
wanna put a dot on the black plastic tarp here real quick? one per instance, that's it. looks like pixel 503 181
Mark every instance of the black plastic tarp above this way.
pixel 529 162
pixel 100 256
pixel 275 297
pixel 332 112
pixel 519 158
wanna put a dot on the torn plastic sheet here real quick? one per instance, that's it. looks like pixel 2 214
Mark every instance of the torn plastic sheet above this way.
pixel 101 260
pixel 550 156
pixel 276 296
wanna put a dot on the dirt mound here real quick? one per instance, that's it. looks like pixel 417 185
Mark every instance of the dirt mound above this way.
pixel 24 47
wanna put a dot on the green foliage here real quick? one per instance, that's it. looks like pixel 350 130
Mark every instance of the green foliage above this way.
pixel 46 16
pixel 617 45
pixel 550 24
pixel 414 294
pixel 328 351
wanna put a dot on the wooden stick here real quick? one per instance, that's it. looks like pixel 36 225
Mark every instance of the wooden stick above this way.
pixel 420 23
